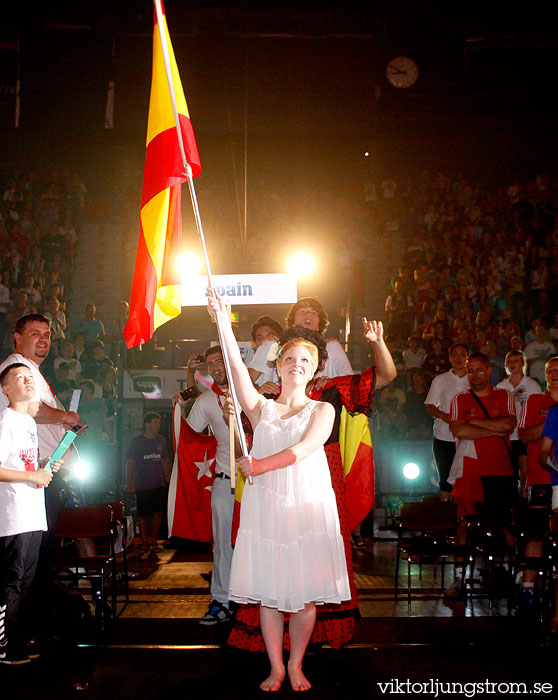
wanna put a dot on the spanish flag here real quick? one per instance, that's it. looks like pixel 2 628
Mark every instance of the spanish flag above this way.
pixel 155 296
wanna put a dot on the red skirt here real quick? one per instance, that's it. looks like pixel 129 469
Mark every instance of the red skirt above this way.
pixel 335 623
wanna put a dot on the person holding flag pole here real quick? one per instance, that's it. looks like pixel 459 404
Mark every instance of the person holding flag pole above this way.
pixel 289 554
pixel 171 159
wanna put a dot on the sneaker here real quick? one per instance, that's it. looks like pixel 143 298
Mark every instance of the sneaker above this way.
pixel 455 590
pixel 526 601
pixel 13 658
pixel 215 614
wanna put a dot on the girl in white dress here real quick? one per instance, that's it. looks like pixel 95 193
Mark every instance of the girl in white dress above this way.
pixel 289 553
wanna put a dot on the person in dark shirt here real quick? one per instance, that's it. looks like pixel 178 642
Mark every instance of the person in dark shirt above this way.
pixel 436 361
pixel 148 469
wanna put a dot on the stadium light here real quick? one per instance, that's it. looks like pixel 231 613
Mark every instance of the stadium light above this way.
pixel 301 265
pixel 411 470
pixel 189 264
pixel 82 470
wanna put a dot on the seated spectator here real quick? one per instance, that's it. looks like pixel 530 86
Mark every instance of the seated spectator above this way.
pixel 33 294
pixel 413 355
pixel 393 423
pixel 57 319
pixel 95 360
pixel 107 380
pixel 399 308
pixel 63 386
pixel 496 362
pixel 67 355
pixel 90 325
pixel 439 330
pixel 436 361
pixel 80 346
pixel 419 423
pixel 537 352
pixel 22 307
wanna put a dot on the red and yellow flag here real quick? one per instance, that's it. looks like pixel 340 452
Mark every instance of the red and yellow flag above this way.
pixel 155 296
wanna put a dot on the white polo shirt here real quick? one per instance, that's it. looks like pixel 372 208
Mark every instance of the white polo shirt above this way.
pixel 520 393
pixel 206 411
pixel 442 390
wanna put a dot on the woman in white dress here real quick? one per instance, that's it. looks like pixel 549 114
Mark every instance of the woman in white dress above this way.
pixel 289 553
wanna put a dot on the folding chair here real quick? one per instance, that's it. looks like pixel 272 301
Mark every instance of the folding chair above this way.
pixel 426 536
pixel 91 522
pixel 494 539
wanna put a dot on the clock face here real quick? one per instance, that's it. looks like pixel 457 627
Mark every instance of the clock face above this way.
pixel 402 72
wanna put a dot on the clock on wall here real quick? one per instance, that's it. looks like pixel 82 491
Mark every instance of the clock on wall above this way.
pixel 402 72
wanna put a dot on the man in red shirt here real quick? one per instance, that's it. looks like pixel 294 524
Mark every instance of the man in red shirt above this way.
pixel 485 416
pixel 481 419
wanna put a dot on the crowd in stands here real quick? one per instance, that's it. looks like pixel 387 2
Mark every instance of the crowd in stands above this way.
pixel 40 224
pixel 481 268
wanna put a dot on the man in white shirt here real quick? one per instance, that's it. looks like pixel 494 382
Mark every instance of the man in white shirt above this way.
pixel 207 411
pixel 443 388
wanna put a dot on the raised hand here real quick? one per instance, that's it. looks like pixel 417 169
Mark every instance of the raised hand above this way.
pixel 373 330
pixel 214 302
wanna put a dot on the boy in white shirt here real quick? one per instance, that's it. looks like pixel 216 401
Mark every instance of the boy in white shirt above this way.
pixel 22 506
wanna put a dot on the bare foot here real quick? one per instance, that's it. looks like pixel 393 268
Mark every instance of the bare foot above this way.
pixel 273 682
pixel 298 679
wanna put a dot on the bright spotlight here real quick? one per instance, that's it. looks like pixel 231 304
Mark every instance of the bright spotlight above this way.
pixel 301 265
pixel 411 470
pixel 82 469
pixel 189 264
pixel 366 154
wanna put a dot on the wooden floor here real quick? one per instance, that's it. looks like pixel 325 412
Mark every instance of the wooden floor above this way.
pixel 157 649
pixel 172 585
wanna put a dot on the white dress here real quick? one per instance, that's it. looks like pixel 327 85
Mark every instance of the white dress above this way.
pixel 289 550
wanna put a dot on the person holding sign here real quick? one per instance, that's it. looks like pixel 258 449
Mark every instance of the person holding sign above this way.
pixel 289 554
pixel 22 507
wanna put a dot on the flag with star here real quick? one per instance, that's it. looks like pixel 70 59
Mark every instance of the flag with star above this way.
pixel 193 473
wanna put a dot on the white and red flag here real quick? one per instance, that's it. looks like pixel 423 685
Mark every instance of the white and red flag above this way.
pixel 193 473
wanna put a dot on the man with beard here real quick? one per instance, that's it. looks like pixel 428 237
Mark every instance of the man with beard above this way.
pixel 207 411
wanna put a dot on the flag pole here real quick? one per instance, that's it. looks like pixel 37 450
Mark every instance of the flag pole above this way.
pixel 199 226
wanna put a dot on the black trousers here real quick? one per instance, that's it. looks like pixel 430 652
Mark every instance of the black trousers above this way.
pixel 444 452
pixel 18 561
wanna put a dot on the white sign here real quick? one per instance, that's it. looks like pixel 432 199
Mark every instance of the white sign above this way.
pixel 153 383
pixel 241 289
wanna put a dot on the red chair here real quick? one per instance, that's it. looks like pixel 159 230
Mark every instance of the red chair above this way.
pixel 98 524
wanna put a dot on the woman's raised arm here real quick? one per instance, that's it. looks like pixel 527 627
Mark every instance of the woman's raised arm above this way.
pixel 249 398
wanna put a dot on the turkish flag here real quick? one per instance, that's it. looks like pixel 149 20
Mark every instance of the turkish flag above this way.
pixel 193 473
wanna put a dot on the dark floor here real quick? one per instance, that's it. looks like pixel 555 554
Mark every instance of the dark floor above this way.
pixel 157 649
